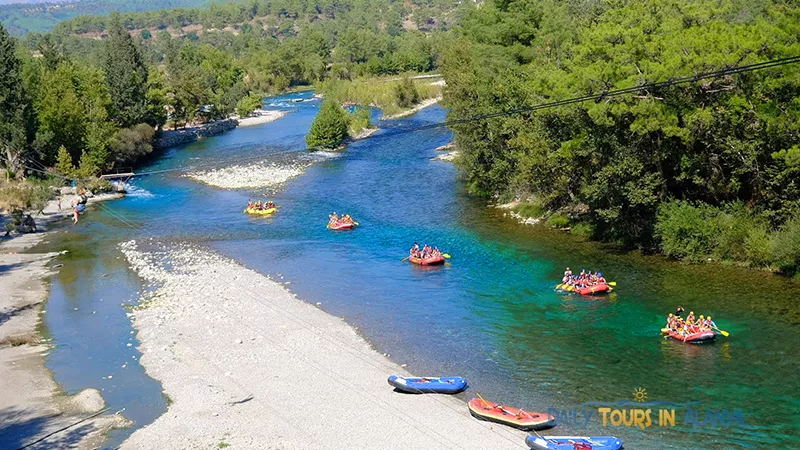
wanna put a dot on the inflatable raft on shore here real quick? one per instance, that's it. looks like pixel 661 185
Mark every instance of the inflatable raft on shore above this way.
pixel 513 417
pixel 573 442
pixel 428 385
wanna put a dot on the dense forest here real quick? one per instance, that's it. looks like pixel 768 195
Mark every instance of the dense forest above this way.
pixel 92 94
pixel 709 170
pixel 20 17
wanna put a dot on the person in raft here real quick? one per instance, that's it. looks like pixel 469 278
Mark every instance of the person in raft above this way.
pixel 689 326
pixel 426 252
pixel 259 205
pixel 584 279
pixel 334 219
pixel 78 205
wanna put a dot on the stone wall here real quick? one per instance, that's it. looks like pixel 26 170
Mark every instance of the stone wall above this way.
pixel 172 138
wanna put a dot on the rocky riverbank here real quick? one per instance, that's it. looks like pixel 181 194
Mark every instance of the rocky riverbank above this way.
pixel 172 138
pixel 249 176
pixel 248 365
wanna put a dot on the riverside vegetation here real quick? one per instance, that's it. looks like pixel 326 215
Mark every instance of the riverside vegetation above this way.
pixel 81 105
pixel 699 171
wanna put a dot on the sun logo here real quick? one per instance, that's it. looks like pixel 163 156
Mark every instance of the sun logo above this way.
pixel 640 395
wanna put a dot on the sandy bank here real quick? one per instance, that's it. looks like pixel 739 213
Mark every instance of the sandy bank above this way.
pixel 32 405
pixel 259 117
pixel 422 105
pixel 249 365
pixel 250 176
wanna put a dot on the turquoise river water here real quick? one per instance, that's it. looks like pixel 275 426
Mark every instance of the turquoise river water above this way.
pixel 490 314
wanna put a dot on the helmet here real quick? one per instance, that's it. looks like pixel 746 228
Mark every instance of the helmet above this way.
pixel 709 317
pixel 670 314
pixel 701 316
pixel 691 312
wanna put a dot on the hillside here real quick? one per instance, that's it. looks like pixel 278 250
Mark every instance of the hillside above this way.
pixel 34 16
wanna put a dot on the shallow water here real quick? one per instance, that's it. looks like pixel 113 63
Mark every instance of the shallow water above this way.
pixel 490 314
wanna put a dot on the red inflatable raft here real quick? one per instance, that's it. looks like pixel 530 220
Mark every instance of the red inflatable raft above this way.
pixel 592 290
pixel 341 226
pixel 700 336
pixel 427 261
pixel 513 417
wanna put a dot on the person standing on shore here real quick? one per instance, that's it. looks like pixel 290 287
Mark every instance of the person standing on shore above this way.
pixel 58 202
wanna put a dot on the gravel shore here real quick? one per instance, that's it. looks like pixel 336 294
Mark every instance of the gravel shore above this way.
pixel 250 176
pixel 249 365
pixel 260 116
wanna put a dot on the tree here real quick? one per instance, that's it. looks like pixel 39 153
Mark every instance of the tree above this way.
pixel 64 164
pixel 406 93
pixel 248 104
pixel 15 108
pixel 126 75
pixel 330 126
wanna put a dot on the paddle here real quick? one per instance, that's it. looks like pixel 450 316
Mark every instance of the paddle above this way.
pixel 722 332
pixel 612 283
pixel 484 401
pixel 446 256
pixel 404 259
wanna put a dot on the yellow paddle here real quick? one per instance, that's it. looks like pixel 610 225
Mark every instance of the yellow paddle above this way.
pixel 484 401
pixel 446 256
pixel 612 283
pixel 722 332
pixel 404 259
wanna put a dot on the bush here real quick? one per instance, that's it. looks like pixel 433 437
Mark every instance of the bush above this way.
pixel 686 231
pixel 330 126
pixel 785 246
pixel 130 144
pixel 558 220
pixel 248 104
pixel 406 93
pixel 529 209
pixel 22 196
pixel 757 247
pixel 582 229
pixel 735 226
pixel 360 120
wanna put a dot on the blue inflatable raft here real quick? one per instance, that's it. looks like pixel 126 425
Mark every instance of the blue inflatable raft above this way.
pixel 428 385
pixel 573 442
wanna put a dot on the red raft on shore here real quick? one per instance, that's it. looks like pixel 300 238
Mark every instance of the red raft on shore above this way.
pixel 429 261
pixel 513 417
pixel 694 338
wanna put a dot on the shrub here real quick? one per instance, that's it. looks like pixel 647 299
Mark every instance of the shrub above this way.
pixel 130 144
pixel 529 209
pixel 785 247
pixel 248 104
pixel 757 247
pixel 558 220
pixel 330 126
pixel 686 231
pixel 582 229
pixel 360 120
pixel 406 93
pixel 735 225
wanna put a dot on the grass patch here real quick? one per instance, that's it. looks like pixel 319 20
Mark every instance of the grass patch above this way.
pixel 582 229
pixel 529 209
pixel 558 220
pixel 223 445
pixel 16 341
pixel 382 94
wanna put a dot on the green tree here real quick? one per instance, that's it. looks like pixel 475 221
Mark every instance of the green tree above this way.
pixel 248 104
pixel 329 128
pixel 64 164
pixel 406 93
pixel 126 75
pixel 15 108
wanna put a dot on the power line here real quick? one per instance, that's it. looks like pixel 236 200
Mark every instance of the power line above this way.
pixel 553 104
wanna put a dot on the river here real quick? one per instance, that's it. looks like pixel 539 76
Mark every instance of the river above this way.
pixel 490 314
